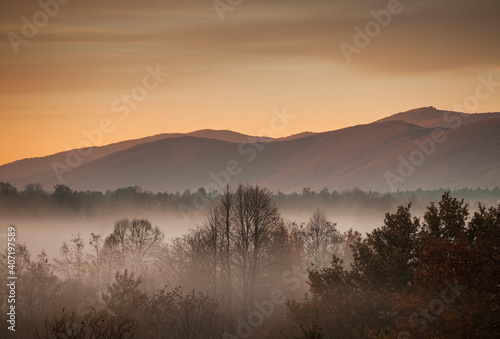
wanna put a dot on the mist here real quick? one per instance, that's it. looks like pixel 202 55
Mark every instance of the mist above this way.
pixel 242 263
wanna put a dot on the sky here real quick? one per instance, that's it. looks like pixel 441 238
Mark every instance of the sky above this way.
pixel 119 70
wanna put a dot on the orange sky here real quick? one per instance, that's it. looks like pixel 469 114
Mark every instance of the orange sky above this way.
pixel 231 74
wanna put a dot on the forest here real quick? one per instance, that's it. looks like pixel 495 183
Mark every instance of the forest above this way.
pixel 247 272
pixel 35 202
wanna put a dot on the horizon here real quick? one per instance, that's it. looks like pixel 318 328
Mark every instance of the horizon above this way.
pixel 160 67
pixel 227 130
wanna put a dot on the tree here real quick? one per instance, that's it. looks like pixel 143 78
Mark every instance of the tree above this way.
pixel 320 239
pixel 96 259
pixel 124 298
pixel 256 220
pixel 93 324
pixel 6 189
pixel 237 250
pixel 448 220
pixel 65 197
pixel 338 306
pixel 38 290
pixel 388 256
pixel 216 240
pixel 349 239
pixel 174 315
pixel 72 263
pixel 34 199
pixel 225 222
pixel 357 302
pixel 135 241
pixel 33 189
pixel 457 276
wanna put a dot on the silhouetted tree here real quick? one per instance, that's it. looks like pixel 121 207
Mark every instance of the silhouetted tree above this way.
pixel 388 256
pixel 135 241
pixel 256 220
pixel 320 239
pixel 72 263
pixel 124 298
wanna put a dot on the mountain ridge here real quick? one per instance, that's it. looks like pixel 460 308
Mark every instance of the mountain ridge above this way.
pixel 432 117
pixel 356 156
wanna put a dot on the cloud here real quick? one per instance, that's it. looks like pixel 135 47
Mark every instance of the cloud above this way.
pixel 103 46
pixel 427 36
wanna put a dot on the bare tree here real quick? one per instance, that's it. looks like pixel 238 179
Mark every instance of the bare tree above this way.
pixel 234 249
pixel 73 263
pixel 135 240
pixel 217 228
pixel 256 220
pixel 224 209
pixel 96 259
pixel 320 240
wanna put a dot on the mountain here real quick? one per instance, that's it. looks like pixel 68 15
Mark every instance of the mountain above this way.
pixel 225 135
pixel 40 168
pixel 431 117
pixel 382 156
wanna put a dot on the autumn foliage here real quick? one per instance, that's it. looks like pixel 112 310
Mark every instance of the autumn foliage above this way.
pixel 435 280
pixel 247 272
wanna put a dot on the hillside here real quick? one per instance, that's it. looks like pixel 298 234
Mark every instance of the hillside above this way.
pixel 40 168
pixel 359 156
pixel 430 117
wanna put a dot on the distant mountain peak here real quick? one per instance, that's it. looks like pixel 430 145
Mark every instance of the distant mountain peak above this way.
pixel 427 108
pixel 431 117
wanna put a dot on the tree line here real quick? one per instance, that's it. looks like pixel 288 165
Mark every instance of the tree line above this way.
pixel 36 202
pixel 246 272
